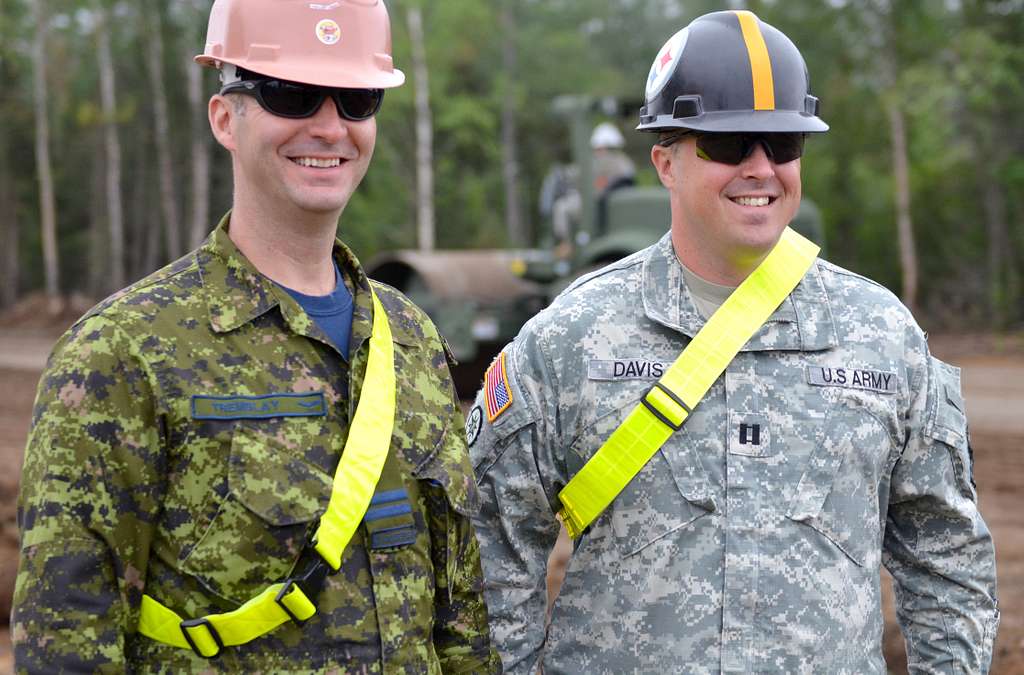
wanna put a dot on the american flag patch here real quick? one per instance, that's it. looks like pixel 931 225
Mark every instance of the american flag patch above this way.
pixel 496 390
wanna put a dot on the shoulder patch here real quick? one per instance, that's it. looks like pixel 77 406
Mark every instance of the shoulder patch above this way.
pixel 497 392
pixel 474 423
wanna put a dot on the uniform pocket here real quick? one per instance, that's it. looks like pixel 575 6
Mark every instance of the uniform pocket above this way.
pixel 262 523
pixel 838 493
pixel 947 424
pixel 670 492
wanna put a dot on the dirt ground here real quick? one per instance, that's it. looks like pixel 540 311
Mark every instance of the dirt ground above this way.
pixel 994 388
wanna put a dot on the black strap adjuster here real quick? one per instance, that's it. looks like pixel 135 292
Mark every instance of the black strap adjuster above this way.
pixel 309 578
pixel 661 416
pixel 205 622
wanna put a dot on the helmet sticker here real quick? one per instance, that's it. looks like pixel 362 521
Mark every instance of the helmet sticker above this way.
pixel 665 63
pixel 328 31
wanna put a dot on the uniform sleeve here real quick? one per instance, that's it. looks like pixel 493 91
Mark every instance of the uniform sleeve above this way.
pixel 516 524
pixel 937 547
pixel 86 507
pixel 461 632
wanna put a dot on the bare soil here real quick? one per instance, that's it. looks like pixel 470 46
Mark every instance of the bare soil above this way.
pixel 994 388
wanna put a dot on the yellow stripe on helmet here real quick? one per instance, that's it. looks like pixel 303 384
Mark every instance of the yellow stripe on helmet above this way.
pixel 760 63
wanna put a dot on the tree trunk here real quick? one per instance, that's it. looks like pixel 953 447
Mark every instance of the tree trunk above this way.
pixel 888 55
pixel 199 219
pixel 97 224
pixel 112 145
pixel 8 224
pixel 509 132
pixel 47 205
pixel 9 258
pixel 142 214
pixel 1002 282
pixel 154 67
pixel 424 133
pixel 904 223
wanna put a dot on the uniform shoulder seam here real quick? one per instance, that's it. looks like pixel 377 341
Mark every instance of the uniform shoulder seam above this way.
pixel 162 275
pixel 842 271
pixel 617 266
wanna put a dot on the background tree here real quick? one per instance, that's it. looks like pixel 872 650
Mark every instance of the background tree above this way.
pixel 193 13
pixel 152 30
pixel 492 72
pixel 47 205
pixel 111 144
pixel 509 94
pixel 9 232
pixel 424 131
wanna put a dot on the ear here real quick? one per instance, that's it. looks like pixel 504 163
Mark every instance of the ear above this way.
pixel 221 113
pixel 664 161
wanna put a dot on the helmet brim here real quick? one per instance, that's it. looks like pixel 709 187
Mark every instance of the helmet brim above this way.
pixel 727 121
pixel 315 74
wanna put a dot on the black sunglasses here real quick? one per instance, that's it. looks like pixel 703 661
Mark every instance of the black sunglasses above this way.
pixel 733 148
pixel 296 100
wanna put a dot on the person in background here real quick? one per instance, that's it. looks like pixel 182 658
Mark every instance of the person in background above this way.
pixel 612 167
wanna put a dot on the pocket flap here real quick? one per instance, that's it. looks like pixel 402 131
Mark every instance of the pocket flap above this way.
pixel 271 481
pixel 451 471
pixel 947 419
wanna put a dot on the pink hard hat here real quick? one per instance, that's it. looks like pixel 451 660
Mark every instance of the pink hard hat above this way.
pixel 330 43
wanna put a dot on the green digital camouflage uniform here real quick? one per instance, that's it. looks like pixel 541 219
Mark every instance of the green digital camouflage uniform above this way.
pixel 752 541
pixel 138 481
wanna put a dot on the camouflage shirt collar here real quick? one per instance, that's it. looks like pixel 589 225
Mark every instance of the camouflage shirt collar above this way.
pixel 238 293
pixel 802 322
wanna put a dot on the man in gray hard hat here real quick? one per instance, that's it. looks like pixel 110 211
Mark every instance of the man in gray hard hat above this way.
pixel 736 433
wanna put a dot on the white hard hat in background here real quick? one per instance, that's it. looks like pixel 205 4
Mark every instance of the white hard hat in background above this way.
pixel 606 135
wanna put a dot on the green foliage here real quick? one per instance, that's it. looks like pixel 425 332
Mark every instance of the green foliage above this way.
pixel 953 69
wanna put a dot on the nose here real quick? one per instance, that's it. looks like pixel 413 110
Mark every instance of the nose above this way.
pixel 327 123
pixel 757 164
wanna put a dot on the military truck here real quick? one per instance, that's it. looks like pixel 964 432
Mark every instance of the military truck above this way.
pixel 608 222
pixel 480 298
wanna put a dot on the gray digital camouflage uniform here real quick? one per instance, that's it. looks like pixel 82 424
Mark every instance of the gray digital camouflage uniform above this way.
pixel 752 542
pixel 137 481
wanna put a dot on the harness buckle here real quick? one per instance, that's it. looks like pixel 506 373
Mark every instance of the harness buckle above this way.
pixel 195 623
pixel 309 580
pixel 655 406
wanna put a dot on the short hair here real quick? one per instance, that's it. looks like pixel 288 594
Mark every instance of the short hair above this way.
pixel 238 102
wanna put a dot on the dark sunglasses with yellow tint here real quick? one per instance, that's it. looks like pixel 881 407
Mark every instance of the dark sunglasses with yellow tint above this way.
pixel 296 100
pixel 733 148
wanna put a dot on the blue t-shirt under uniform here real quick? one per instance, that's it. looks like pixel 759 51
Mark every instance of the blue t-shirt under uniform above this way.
pixel 332 312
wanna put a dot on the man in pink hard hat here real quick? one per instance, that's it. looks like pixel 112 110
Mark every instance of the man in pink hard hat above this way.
pixel 256 454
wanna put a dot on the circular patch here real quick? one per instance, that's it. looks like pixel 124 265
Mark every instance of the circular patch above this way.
pixel 665 63
pixel 328 31
pixel 474 423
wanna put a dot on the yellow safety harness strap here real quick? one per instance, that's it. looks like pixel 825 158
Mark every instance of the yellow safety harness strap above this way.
pixel 355 479
pixel 207 635
pixel 357 475
pixel 664 409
